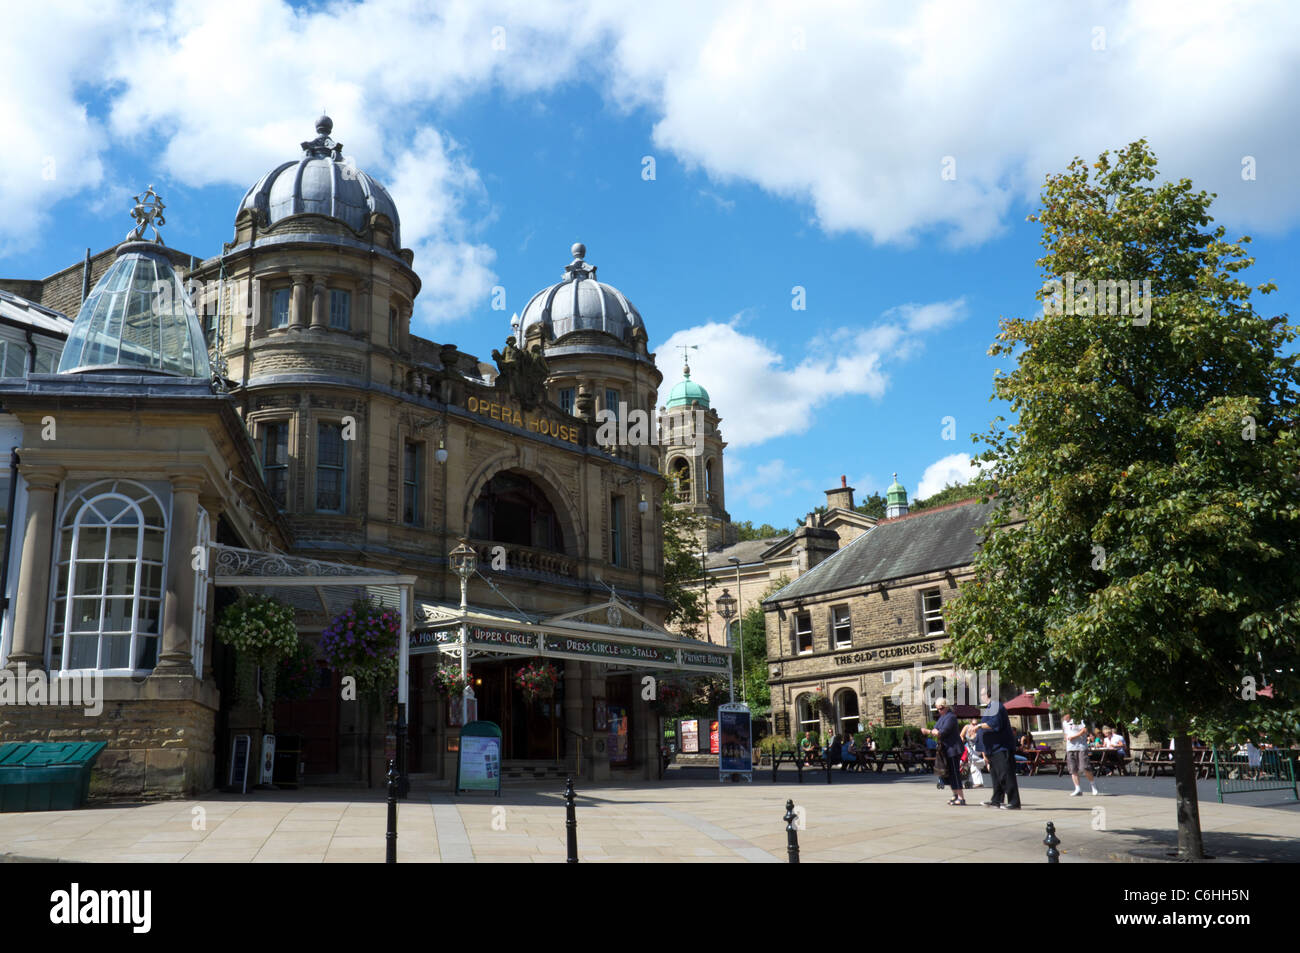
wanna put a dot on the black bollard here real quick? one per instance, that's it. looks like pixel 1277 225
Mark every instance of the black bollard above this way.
pixel 571 821
pixel 791 833
pixel 1051 840
pixel 392 814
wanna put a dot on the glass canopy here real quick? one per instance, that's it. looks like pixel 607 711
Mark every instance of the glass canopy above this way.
pixel 137 319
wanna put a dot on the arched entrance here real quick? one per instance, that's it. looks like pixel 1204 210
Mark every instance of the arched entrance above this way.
pixel 512 508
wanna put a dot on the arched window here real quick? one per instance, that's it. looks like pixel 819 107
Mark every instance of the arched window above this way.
pixel 846 711
pixel 708 477
pixel 809 720
pixel 107 609
pixel 681 474
pixel 513 509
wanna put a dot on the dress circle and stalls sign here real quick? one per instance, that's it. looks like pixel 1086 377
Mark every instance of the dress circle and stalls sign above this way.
pixel 583 648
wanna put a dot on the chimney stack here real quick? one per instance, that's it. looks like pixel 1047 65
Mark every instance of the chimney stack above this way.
pixel 841 496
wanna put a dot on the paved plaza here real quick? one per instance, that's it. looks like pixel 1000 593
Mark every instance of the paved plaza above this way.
pixel 688 817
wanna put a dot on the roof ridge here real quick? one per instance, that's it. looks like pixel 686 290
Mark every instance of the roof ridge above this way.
pixel 933 509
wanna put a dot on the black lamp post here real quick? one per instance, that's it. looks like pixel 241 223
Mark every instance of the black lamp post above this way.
pixel 726 604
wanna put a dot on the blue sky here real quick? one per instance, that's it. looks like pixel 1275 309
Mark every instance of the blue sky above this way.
pixel 793 145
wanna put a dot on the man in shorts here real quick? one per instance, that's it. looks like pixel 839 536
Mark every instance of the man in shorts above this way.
pixel 1076 752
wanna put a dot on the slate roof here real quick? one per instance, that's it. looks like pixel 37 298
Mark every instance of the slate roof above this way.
pixel 922 542
pixel 747 551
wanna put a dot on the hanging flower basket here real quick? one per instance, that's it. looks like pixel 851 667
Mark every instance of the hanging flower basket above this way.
pixel 259 627
pixel 537 680
pixel 361 643
pixel 448 680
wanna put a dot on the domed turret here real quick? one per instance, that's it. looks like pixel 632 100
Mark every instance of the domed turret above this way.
pixel 581 303
pixel 895 499
pixel 686 392
pixel 138 318
pixel 322 182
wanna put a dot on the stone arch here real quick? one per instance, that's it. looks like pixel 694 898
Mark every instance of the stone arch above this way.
pixel 570 528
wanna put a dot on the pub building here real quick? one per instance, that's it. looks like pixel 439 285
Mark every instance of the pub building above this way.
pixel 865 627
pixel 300 434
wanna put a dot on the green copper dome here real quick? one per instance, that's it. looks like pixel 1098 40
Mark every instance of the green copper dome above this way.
pixel 687 392
pixel 896 493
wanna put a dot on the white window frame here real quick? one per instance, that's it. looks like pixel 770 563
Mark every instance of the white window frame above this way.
pixel 265 426
pixel 842 629
pixel 567 398
pixel 814 722
pixel 73 510
pixel 929 615
pixel 288 306
pixel 800 633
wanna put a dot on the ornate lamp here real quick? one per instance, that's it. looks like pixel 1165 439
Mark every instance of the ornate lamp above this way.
pixel 464 559
pixel 726 604
pixel 441 453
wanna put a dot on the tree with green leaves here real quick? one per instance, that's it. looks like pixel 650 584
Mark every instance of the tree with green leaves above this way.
pixel 952 493
pixel 873 506
pixel 682 531
pixel 1142 563
pixel 746 530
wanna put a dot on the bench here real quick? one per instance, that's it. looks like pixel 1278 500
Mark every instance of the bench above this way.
pixel 797 759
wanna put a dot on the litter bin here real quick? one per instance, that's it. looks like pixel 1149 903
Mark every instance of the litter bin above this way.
pixel 35 776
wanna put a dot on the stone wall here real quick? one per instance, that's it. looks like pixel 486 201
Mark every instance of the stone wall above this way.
pixel 155 747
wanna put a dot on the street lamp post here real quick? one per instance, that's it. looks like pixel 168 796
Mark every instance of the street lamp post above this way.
pixel 726 605
pixel 740 624
pixel 463 561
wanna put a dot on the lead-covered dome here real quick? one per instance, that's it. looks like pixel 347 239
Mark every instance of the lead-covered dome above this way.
pixel 322 182
pixel 137 319
pixel 581 303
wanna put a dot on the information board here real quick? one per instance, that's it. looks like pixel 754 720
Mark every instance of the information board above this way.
pixel 735 741
pixel 690 728
pixel 268 759
pixel 893 712
pixel 478 765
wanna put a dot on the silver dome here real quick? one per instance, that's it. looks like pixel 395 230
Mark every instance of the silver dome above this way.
pixel 322 183
pixel 137 319
pixel 581 303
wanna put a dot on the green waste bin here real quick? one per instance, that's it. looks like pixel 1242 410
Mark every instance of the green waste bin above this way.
pixel 36 776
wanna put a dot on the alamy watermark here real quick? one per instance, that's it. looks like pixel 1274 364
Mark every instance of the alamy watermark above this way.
pixel 1087 297
pixel 959 687
pixel 83 690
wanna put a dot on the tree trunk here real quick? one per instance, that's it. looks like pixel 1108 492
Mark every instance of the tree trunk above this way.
pixel 1190 845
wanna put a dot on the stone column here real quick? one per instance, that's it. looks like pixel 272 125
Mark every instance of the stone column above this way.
pixel 575 703
pixel 363 318
pixel 298 303
pixel 600 740
pixel 33 598
pixel 320 317
pixel 215 506
pixel 178 603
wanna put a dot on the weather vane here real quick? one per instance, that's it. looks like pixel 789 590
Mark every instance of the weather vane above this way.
pixel 148 213
pixel 684 348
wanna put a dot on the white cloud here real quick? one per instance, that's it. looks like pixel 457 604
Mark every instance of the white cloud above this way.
pixel 954 468
pixel 848 107
pixel 434 185
pixel 742 372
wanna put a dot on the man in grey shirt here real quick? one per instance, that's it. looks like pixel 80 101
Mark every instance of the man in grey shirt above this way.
pixel 1076 752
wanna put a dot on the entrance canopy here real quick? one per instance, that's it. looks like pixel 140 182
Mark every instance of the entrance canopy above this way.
pixel 314 585
pixel 611 633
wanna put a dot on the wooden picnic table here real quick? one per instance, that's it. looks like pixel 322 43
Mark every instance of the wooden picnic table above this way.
pixel 800 759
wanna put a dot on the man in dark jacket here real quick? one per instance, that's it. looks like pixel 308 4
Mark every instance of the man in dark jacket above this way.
pixel 1000 744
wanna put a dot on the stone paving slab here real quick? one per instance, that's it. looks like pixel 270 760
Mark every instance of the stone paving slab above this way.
pixel 895 820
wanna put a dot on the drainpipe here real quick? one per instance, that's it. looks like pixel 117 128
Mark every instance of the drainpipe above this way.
pixel 9 529
pixel 31 351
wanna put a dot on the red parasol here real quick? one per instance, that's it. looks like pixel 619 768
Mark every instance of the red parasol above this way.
pixel 1024 704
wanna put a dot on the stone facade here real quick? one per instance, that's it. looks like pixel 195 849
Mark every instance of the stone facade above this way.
pixel 868 639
